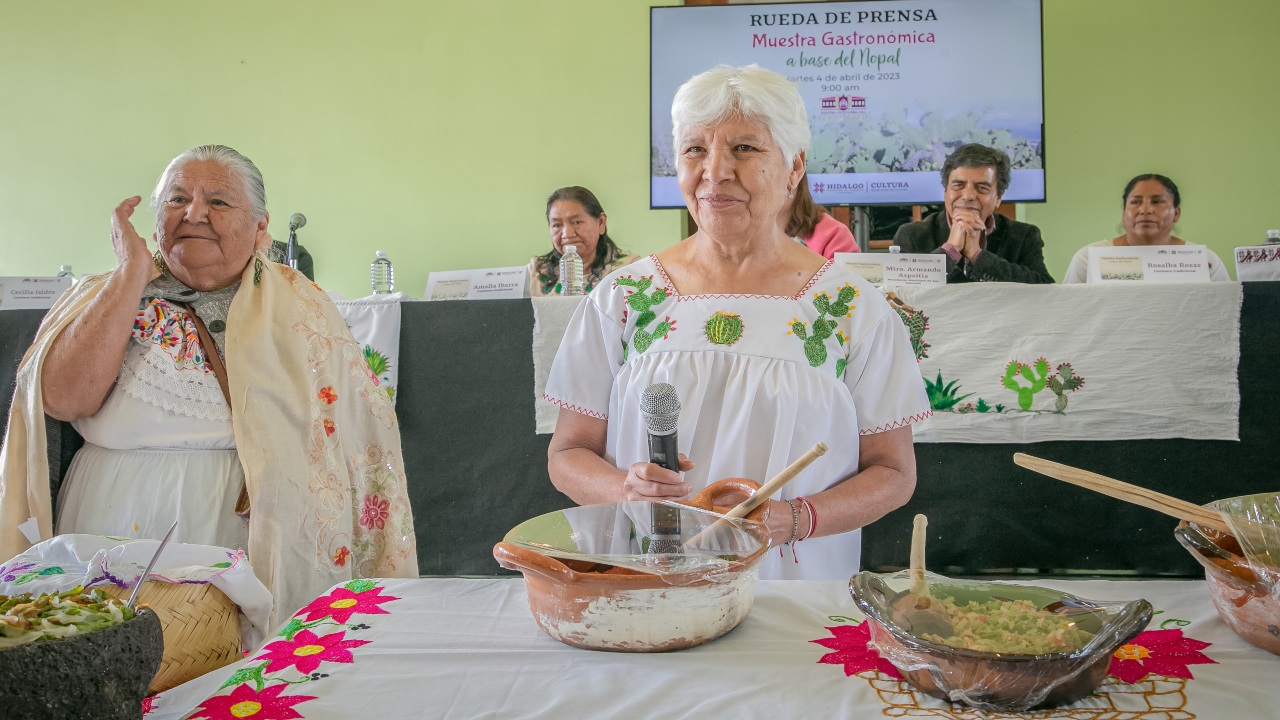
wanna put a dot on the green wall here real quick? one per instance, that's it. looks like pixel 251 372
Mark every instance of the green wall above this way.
pixel 435 130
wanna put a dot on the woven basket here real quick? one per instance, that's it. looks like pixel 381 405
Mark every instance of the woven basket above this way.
pixel 201 629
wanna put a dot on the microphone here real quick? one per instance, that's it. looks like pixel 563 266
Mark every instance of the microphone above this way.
pixel 296 221
pixel 661 410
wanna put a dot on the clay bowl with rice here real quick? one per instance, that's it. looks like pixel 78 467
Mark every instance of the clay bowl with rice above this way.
pixel 595 578
pixel 1010 647
pixel 101 672
pixel 1245 592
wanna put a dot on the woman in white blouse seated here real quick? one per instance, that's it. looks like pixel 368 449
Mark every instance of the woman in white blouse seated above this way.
pixel 293 425
pixel 1152 205
pixel 770 346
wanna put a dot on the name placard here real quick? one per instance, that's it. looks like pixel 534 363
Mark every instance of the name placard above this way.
pixel 897 269
pixel 31 293
pixel 1151 263
pixel 1259 262
pixel 482 284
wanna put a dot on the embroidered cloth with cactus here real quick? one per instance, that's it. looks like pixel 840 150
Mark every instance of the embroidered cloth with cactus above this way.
pixel 1009 363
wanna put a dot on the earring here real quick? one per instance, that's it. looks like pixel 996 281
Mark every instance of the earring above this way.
pixel 791 194
pixel 158 260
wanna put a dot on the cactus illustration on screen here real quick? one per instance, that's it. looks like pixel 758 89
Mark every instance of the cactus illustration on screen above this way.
pixel 1037 374
pixel 643 338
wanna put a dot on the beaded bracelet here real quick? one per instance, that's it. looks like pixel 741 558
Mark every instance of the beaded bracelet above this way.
pixel 795 522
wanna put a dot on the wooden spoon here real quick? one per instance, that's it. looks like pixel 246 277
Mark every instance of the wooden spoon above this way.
pixel 916 611
pixel 1151 499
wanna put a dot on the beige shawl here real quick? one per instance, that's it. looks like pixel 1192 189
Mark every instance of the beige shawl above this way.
pixel 317 437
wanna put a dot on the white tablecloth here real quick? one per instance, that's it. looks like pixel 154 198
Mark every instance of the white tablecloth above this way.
pixel 458 648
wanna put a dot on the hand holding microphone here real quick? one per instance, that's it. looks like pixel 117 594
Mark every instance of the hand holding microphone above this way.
pixel 659 479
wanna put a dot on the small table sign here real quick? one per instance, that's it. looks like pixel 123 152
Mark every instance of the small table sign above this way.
pixel 1258 262
pixel 897 269
pixel 1149 263
pixel 482 284
pixel 31 293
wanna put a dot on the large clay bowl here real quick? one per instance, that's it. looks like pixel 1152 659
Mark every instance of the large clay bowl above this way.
pixel 1249 603
pixel 580 604
pixel 991 681
pixel 103 675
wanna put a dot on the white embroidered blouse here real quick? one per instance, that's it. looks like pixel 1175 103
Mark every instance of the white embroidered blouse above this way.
pixel 761 379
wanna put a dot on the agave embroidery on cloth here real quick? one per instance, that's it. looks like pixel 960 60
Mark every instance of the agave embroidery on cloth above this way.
pixel 316 641
pixel 1148 675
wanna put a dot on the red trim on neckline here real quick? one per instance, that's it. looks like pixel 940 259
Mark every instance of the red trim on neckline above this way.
pixel 672 292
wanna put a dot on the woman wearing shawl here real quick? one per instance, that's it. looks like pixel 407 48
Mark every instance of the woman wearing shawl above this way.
pixel 215 388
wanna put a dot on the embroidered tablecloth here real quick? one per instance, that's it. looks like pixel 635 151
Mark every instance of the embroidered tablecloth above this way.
pixel 375 324
pixel 463 648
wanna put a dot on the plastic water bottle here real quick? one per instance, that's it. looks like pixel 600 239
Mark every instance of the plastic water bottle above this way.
pixel 894 250
pixel 571 272
pixel 1273 237
pixel 65 271
pixel 382 277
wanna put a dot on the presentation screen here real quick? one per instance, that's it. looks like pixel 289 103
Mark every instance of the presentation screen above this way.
pixel 891 88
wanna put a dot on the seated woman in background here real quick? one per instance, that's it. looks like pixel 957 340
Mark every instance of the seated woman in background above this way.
pixel 210 383
pixel 1152 205
pixel 810 224
pixel 770 348
pixel 574 217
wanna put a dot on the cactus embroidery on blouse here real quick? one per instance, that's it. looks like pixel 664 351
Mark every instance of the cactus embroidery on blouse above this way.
pixel 724 328
pixel 1038 376
pixel 815 347
pixel 643 338
pixel 916 323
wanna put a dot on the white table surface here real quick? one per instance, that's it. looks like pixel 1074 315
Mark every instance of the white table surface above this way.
pixel 467 648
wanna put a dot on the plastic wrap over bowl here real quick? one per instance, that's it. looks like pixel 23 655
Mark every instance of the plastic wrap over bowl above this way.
pixel 603 577
pixel 993 680
pixel 1245 590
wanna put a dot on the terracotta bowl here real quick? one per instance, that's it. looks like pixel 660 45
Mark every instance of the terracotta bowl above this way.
pixel 600 607
pixel 1004 682
pixel 102 674
pixel 1247 601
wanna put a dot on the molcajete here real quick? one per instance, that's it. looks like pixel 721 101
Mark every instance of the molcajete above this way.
pixel 595 598
pixel 99 675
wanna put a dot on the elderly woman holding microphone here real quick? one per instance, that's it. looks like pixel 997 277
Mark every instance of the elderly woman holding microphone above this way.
pixel 771 348
pixel 215 388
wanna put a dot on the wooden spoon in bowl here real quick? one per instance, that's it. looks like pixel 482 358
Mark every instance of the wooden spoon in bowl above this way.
pixel 916 611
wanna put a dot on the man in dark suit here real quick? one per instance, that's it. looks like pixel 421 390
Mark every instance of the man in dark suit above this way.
pixel 979 244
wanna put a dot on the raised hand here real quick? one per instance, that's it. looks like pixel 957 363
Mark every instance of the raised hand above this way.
pixel 130 248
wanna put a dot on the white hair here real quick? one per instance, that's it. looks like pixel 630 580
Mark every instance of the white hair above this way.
pixel 749 92
pixel 239 165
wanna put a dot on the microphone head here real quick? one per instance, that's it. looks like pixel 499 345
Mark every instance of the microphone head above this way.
pixel 296 221
pixel 661 408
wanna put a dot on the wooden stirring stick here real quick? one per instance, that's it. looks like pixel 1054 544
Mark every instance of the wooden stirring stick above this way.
pixel 918 584
pixel 916 611
pixel 1151 499
pixel 759 496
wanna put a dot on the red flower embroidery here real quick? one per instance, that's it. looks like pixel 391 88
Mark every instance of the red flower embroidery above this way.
pixel 1158 652
pixel 329 427
pixel 340 557
pixel 342 603
pixel 373 514
pixel 307 650
pixel 327 395
pixel 245 702
pixel 852 649
pixel 148 705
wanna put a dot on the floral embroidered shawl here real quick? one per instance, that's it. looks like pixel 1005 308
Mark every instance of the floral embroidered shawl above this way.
pixel 317 437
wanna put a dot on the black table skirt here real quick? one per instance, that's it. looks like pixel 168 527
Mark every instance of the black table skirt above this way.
pixel 476 468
